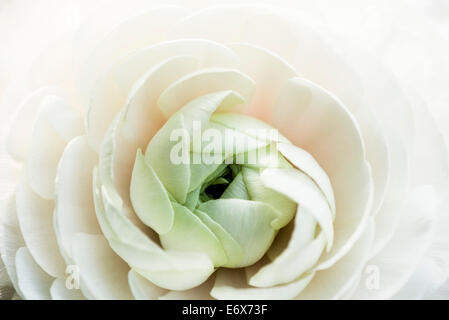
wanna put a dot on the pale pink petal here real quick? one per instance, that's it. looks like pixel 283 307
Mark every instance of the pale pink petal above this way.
pixel 142 116
pixel 319 123
pixel 203 82
pixel 269 71
pixel 109 93
pixel 392 108
pixel 320 60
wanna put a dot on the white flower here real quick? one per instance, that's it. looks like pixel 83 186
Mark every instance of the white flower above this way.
pixel 354 211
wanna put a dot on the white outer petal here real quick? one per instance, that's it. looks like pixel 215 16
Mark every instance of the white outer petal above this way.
pixel 53 66
pixel 11 239
pixel 74 207
pixel 202 292
pixel 34 283
pixel 401 256
pixel 269 71
pixel 300 188
pixel 387 215
pixel 103 274
pixel 142 288
pixel 56 124
pixel 145 28
pixel 302 160
pixel 334 282
pixel 99 22
pixel 315 120
pixel 59 291
pixel 142 118
pixel 231 284
pixel 21 126
pixel 227 23
pixel 203 82
pixel 109 93
pixel 35 217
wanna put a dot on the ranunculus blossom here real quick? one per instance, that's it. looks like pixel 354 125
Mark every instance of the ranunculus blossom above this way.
pixel 232 152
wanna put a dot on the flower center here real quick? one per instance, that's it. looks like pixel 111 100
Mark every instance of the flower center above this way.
pixel 215 188
pixel 220 208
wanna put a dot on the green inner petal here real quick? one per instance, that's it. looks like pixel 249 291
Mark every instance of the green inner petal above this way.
pixel 175 177
pixel 236 189
pixel 232 249
pixel 149 197
pixel 248 222
pixel 284 207
pixel 247 125
pixel 221 209
pixel 189 233
pixel 200 172
pixel 192 199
